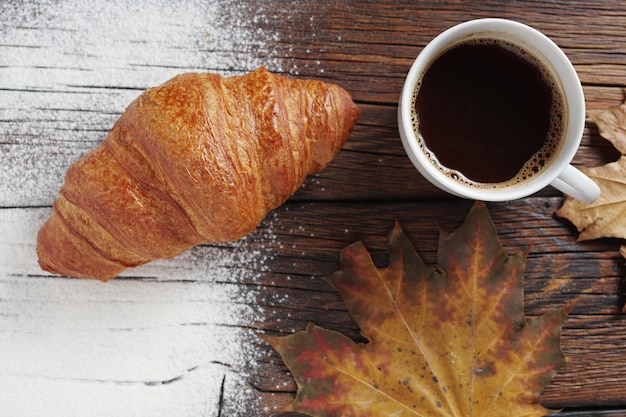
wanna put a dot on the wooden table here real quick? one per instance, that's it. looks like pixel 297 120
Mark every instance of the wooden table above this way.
pixel 179 337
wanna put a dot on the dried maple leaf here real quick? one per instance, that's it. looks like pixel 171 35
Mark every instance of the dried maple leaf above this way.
pixel 612 125
pixel 451 341
pixel 605 217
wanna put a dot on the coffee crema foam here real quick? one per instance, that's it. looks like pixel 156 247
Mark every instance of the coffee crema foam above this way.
pixel 554 137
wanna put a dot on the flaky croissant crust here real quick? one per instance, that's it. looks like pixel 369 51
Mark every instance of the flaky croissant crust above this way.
pixel 200 159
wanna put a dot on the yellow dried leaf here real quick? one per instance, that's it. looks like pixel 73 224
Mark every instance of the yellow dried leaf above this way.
pixel 447 342
pixel 612 125
pixel 605 217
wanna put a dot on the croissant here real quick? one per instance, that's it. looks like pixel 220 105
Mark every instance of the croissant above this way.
pixel 200 159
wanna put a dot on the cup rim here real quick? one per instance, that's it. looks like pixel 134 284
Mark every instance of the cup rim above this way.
pixel 571 88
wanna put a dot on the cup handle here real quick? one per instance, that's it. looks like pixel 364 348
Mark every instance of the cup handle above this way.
pixel 576 184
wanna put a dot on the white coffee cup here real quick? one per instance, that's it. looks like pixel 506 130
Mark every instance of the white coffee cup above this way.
pixel 559 173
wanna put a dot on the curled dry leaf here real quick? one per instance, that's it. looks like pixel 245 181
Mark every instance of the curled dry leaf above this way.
pixel 605 217
pixel 612 125
pixel 451 341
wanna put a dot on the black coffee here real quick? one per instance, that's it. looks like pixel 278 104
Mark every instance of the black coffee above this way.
pixel 490 112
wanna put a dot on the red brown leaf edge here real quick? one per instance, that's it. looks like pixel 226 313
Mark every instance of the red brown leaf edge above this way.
pixel 445 341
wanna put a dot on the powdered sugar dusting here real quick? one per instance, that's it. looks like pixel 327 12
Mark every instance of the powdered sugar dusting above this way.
pixel 187 323
pixel 173 337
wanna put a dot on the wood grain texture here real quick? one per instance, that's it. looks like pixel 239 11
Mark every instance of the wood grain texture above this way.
pixel 178 337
